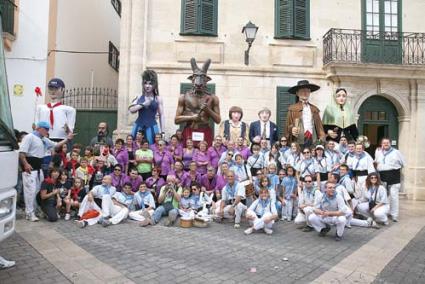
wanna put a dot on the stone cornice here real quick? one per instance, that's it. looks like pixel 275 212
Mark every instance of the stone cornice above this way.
pixel 241 70
pixel 376 71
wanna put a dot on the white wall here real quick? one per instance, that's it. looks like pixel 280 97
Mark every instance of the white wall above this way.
pixel 26 62
pixel 86 26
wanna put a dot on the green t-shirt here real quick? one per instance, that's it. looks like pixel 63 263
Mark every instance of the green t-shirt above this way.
pixel 169 197
pixel 143 168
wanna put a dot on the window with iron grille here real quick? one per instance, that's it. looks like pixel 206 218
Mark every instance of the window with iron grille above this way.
pixel 114 57
pixel 117 6
pixel 292 19
pixel 199 17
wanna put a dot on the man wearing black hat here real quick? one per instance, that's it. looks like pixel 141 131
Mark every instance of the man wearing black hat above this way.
pixel 303 124
pixel 60 117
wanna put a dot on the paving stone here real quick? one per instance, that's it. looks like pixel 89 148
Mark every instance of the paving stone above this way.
pixel 30 266
pixel 409 265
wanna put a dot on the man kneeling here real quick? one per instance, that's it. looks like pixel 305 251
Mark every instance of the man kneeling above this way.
pixel 262 213
pixel 231 204
pixel 331 210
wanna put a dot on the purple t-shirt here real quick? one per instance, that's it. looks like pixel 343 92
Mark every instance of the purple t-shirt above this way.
pixel 201 157
pixel 155 183
pixel 183 177
pixel 121 156
pixel 164 161
pixel 244 151
pixel 178 151
pixel 209 184
pixel 214 155
pixel 118 181
pixel 135 183
pixel 187 158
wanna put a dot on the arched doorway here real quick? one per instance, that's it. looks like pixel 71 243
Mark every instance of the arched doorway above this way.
pixel 378 119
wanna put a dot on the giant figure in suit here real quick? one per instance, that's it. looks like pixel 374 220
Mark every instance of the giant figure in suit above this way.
pixel 263 128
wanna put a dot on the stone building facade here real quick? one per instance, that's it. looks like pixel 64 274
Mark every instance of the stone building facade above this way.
pixel 373 48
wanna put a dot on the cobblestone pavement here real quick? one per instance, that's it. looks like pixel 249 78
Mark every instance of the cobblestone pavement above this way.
pixel 30 266
pixel 216 254
pixel 409 265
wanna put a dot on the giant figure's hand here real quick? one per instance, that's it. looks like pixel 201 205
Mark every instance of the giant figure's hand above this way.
pixel 295 131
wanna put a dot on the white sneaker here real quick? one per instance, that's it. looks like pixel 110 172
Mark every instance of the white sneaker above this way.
pixel 33 218
pixel 237 226
pixel 59 216
pixel 4 263
pixel 268 231
pixel 374 225
pixel 67 217
pixel 248 231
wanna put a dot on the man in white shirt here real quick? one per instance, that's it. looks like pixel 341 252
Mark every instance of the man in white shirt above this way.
pixel 330 210
pixel 389 162
pixel 31 153
pixel 231 200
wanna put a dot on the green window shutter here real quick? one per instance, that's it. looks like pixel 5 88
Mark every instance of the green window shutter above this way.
pixel 199 17
pixel 208 18
pixel 283 100
pixel 302 19
pixel 284 15
pixel 189 14
pixel 185 87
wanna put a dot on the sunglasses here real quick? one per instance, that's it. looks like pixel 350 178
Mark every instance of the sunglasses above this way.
pixel 230 154
pixel 117 170
pixel 308 181
pixel 306 152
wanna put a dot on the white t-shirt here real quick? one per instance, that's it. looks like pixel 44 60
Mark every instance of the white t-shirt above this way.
pixel 34 146
pixel 62 115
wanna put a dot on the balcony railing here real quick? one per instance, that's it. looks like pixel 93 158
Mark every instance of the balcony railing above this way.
pixel 7 12
pixel 359 46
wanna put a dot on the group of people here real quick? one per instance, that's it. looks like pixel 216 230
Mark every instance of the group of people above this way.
pixel 317 174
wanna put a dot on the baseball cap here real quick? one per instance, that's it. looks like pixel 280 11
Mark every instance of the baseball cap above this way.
pixel 43 124
pixel 320 147
pixel 56 83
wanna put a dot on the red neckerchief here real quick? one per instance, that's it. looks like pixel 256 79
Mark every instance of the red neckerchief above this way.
pixel 73 165
pixel 49 180
pixel 51 107
pixel 74 192
pixel 64 159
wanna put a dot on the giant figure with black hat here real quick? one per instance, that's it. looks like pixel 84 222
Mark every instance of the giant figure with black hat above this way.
pixel 60 117
pixel 303 123
pixel 148 105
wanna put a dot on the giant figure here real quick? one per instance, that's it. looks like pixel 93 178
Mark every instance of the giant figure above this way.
pixel 338 118
pixel 148 105
pixel 197 106
pixel 303 124
pixel 60 117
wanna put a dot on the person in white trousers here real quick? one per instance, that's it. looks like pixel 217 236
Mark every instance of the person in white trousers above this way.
pixel 31 152
pixel 262 213
pixel 361 165
pixel 389 162
pixel 329 211
pixel 144 205
pixel 88 203
pixel 307 198
pixel 230 204
pixel 374 200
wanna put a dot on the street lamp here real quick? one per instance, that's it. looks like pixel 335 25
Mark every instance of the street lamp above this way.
pixel 250 31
